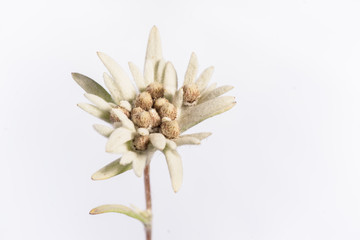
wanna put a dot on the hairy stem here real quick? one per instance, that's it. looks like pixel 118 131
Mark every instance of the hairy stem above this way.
pixel 148 227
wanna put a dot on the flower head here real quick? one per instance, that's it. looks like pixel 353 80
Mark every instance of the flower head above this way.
pixel 153 115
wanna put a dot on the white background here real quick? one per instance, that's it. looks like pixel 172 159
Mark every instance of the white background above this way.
pixel 284 163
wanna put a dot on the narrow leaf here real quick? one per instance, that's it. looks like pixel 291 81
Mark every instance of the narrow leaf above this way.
pixel 112 169
pixel 200 136
pixel 90 86
pixel 208 90
pixel 139 164
pixel 117 208
pixel 170 80
pixel 125 121
pixel 121 79
pixel 204 78
pixel 159 70
pixel 95 111
pixel 192 70
pixel 215 93
pixel 138 76
pixel 103 130
pixel 149 71
pixel 186 140
pixel 194 115
pixel 98 101
pixel 178 98
pixel 114 90
pixel 154 51
pixel 175 167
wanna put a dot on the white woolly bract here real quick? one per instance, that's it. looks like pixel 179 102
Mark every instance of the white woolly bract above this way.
pixel 103 130
pixel 121 79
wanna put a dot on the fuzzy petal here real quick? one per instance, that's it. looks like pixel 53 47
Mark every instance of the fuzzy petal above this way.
pixel 112 169
pixel 208 90
pixel 128 158
pixel 194 115
pixel 118 139
pixel 158 140
pixel 174 163
pixel 138 77
pixel 159 74
pixel 200 136
pixel 121 79
pixel 149 71
pixel 103 130
pixel 170 80
pixel 154 51
pixel 178 99
pixel 114 90
pixel 139 164
pixel 171 144
pixel 204 78
pixel 215 93
pixel 92 87
pixel 95 111
pixel 187 140
pixel 121 148
pixel 98 101
pixel 125 121
pixel 192 70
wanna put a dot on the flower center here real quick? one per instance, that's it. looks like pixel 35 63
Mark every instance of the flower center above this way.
pixel 153 112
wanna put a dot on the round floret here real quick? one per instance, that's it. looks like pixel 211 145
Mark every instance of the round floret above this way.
pixel 170 129
pixel 141 142
pixel 144 100
pixel 191 93
pixel 159 103
pixel 142 119
pixel 156 90
pixel 168 110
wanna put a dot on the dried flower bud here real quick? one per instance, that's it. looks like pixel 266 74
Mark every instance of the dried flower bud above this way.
pixel 141 142
pixel 170 129
pixel 155 118
pixel 114 118
pixel 136 110
pixel 142 119
pixel 191 93
pixel 168 110
pixel 144 100
pixel 155 89
pixel 159 103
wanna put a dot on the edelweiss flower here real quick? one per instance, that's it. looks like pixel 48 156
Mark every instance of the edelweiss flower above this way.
pixel 153 116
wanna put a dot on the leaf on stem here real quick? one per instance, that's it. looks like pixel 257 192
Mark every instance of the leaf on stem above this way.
pixel 142 216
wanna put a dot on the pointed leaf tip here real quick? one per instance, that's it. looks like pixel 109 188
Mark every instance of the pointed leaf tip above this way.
pixel 192 70
pixel 91 86
pixel 154 51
